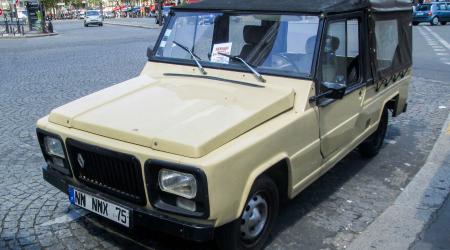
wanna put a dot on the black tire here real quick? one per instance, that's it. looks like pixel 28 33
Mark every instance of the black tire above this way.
pixel 101 24
pixel 230 236
pixel 85 25
pixel 434 21
pixel 443 23
pixel 372 145
pixel 415 23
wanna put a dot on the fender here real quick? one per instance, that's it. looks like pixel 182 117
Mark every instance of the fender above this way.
pixel 257 172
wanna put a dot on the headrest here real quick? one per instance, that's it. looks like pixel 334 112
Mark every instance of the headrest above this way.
pixel 310 45
pixel 331 44
pixel 253 34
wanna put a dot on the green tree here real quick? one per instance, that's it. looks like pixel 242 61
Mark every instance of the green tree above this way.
pixel 49 3
pixel 94 2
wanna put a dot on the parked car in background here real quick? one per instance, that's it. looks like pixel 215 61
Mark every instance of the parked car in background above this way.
pixel 93 17
pixel 433 13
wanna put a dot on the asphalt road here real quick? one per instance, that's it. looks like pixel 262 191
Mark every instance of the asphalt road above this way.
pixel 39 74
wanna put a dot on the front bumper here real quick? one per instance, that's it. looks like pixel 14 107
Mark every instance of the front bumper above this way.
pixel 93 22
pixel 141 216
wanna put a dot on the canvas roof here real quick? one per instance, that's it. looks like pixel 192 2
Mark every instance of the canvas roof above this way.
pixel 305 6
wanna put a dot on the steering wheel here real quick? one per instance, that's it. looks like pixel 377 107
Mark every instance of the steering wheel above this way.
pixel 283 62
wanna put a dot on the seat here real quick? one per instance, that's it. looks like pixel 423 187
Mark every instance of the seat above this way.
pixel 329 63
pixel 252 36
pixel 304 64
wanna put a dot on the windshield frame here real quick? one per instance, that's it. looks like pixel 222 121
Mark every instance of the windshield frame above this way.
pixel 232 67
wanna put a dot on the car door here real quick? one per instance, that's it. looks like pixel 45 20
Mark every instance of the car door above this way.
pixel 341 62
pixel 441 11
pixel 447 12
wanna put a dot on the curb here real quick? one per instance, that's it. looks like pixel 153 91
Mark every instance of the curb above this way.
pixel 133 25
pixel 401 223
pixel 29 36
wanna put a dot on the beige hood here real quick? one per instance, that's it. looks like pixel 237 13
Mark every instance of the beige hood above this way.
pixel 184 116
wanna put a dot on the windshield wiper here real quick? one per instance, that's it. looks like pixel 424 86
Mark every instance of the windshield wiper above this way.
pixel 194 56
pixel 239 59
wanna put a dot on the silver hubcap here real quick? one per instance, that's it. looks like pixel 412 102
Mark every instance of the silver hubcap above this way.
pixel 254 217
pixel 435 20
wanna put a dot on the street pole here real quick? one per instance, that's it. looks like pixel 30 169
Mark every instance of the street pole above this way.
pixel 160 2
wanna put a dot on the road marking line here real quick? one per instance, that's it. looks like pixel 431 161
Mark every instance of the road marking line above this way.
pixel 438 37
pixel 442 54
pixel 72 215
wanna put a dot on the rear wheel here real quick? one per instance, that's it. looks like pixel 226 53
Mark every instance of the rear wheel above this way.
pixel 415 23
pixel 252 230
pixel 434 21
pixel 372 145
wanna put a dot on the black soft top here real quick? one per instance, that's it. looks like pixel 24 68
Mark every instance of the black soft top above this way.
pixel 304 6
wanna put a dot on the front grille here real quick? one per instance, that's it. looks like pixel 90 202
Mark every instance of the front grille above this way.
pixel 112 172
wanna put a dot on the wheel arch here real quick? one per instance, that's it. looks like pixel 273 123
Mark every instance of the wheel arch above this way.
pixel 395 105
pixel 279 169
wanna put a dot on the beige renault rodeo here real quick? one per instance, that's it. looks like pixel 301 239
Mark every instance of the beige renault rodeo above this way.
pixel 241 104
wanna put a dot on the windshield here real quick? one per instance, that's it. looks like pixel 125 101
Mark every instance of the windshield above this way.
pixel 92 13
pixel 272 44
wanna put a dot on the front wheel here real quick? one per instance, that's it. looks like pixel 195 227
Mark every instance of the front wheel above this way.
pixel 434 21
pixel 253 228
pixel 372 145
pixel 415 23
pixel 443 23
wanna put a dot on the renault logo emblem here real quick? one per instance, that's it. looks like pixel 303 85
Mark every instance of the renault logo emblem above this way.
pixel 80 160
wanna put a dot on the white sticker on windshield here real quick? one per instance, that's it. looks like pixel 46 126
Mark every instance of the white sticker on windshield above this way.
pixel 223 48
pixel 162 44
pixel 168 32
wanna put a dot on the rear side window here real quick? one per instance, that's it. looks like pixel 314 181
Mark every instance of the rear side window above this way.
pixel 424 7
pixel 442 6
pixel 387 42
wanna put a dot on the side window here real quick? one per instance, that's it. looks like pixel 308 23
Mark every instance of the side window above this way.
pixel 442 6
pixel 386 32
pixel 340 56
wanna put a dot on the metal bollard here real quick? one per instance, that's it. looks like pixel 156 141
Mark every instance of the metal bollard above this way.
pixel 6 24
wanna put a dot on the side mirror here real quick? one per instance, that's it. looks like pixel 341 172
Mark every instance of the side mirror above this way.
pixel 334 90
pixel 150 51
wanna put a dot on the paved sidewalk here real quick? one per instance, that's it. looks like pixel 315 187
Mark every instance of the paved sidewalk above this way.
pixel 423 202
pixel 148 23
pixel 27 35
